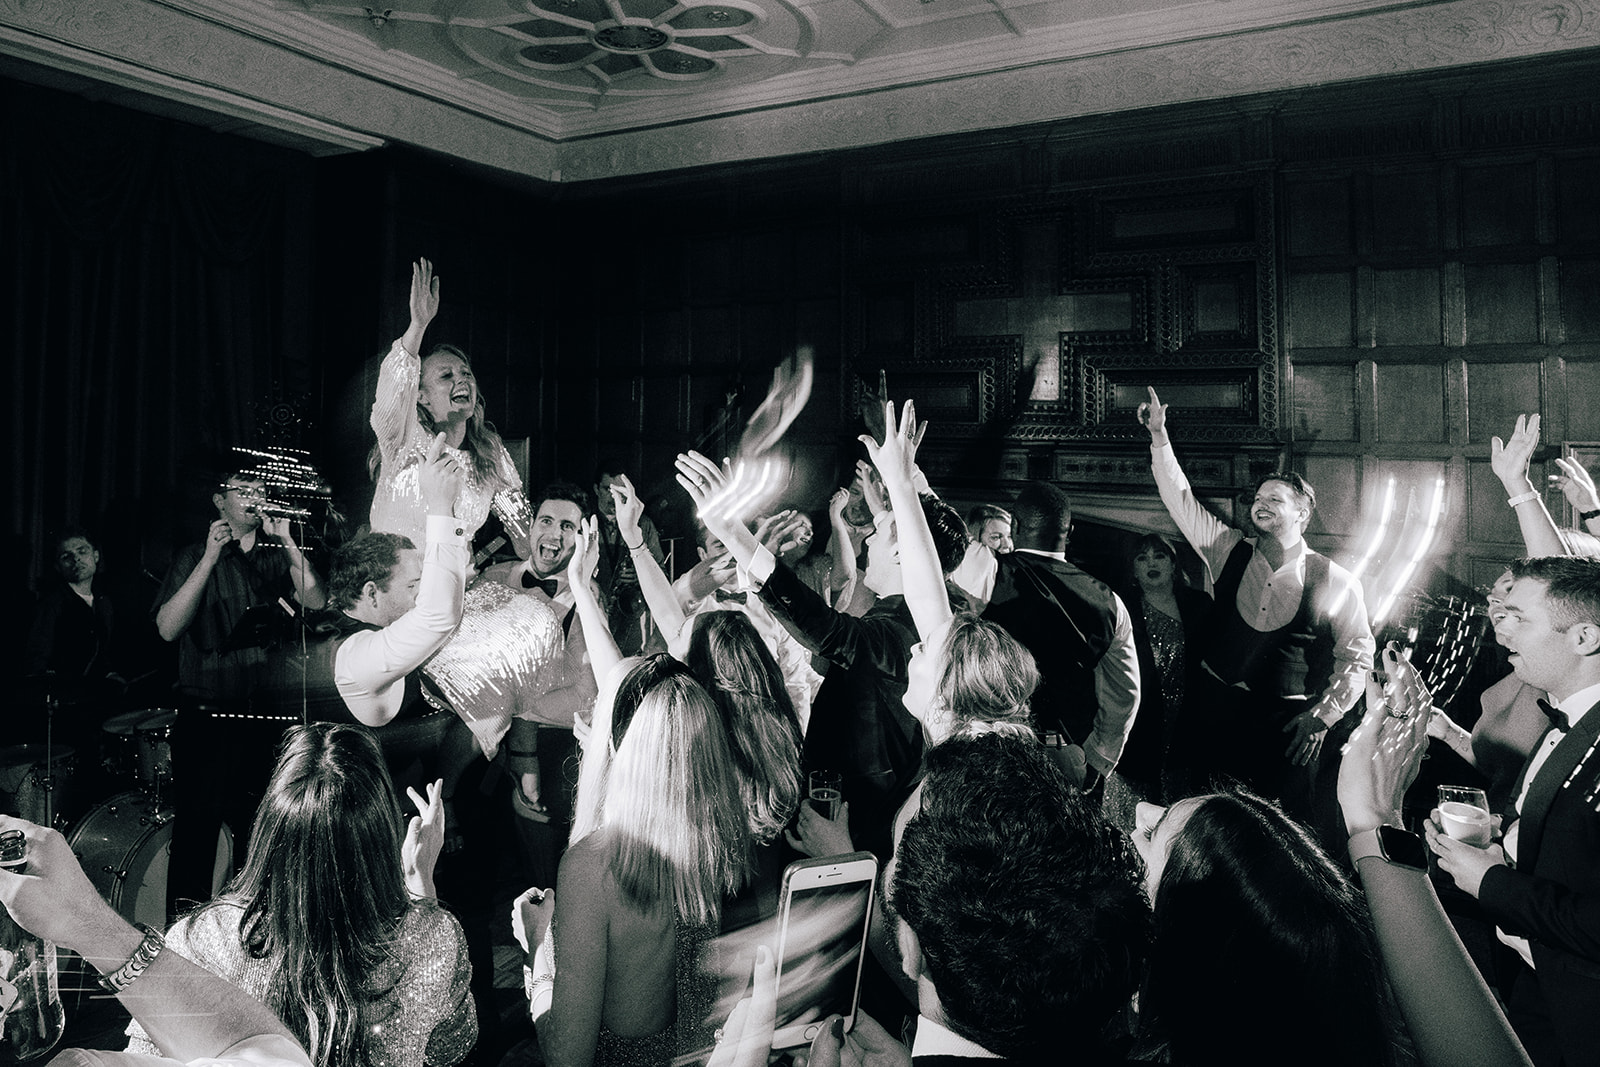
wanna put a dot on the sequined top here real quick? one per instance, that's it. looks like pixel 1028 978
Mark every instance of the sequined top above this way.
pixel 397 505
pixel 428 1017
pixel 1167 648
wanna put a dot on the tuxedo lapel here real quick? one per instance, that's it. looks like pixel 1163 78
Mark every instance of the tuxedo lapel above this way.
pixel 1547 785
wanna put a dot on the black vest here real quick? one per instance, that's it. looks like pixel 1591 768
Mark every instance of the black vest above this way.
pixel 1294 660
pixel 297 677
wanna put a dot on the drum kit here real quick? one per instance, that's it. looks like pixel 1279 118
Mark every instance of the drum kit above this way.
pixel 123 840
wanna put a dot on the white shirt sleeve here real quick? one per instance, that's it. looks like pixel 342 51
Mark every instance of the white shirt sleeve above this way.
pixel 1116 690
pixel 371 666
pixel 1206 534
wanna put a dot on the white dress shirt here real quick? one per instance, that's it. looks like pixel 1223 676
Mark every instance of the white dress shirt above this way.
pixel 371 665
pixel 1268 597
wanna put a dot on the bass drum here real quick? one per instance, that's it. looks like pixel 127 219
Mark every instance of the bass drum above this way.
pixel 123 844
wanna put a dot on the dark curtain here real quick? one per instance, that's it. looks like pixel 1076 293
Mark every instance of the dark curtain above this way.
pixel 155 277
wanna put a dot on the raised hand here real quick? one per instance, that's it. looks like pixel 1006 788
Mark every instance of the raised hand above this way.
pixel 1153 414
pixel 419 853
pixel 896 456
pixel 871 487
pixel 703 480
pixel 836 505
pixel 585 559
pixel 424 294
pixel 439 476
pixel 1577 485
pixel 1509 459
pixel 1383 755
pixel 630 509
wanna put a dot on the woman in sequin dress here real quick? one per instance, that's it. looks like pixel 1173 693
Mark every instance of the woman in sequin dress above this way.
pixel 504 656
pixel 658 842
pixel 1167 616
pixel 332 923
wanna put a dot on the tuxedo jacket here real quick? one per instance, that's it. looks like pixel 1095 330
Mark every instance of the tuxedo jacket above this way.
pixel 1552 897
pixel 859 725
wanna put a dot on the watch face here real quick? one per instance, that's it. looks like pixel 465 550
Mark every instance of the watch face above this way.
pixel 1402 846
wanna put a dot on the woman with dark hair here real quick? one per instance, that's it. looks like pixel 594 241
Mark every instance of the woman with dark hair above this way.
pixel 1264 953
pixel 659 839
pixel 1167 616
pixel 332 922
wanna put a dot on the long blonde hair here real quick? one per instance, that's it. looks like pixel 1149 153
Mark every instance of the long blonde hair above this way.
pixel 672 813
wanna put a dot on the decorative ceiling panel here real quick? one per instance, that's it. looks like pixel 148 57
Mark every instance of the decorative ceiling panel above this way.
pixel 585 89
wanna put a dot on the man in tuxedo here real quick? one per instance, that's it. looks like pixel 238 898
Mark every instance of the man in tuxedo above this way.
pixel 1077 629
pixel 1542 883
pixel 1021 913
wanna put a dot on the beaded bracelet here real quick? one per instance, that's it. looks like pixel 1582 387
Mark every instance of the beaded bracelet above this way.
pixel 137 964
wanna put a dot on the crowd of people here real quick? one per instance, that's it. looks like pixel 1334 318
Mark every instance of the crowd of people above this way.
pixel 1116 818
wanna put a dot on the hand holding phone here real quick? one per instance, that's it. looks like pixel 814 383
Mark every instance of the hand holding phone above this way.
pixel 823 915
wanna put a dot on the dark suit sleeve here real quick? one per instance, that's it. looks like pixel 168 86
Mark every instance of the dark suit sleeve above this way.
pixel 880 643
pixel 1543 910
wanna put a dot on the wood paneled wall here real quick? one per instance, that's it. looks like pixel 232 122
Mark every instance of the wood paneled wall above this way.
pixel 1358 282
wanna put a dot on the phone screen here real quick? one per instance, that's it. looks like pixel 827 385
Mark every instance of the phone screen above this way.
pixel 826 929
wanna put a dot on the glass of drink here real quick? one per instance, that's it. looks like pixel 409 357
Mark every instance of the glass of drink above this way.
pixel 823 790
pixel 1464 814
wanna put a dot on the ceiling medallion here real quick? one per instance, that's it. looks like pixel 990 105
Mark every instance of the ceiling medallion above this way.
pixel 631 40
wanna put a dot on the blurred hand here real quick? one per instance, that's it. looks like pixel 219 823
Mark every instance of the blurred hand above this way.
pixel 1385 752
pixel 1576 484
pixel 871 487
pixel 1307 732
pixel 746 1038
pixel 703 480
pixel 819 835
pixel 836 505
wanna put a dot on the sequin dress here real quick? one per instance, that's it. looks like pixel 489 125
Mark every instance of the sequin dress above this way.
pixel 397 505
pixel 427 1018
pixel 505 655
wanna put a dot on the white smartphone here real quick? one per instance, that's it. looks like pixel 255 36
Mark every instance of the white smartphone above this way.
pixel 822 936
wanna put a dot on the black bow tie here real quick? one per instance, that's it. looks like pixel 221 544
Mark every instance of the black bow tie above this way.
pixel 1557 717
pixel 725 597
pixel 549 585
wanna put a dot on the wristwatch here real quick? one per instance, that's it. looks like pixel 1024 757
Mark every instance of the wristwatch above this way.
pixel 1585 516
pixel 1392 845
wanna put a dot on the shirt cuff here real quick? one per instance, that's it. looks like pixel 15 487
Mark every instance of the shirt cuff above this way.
pixel 760 569
pixel 447 530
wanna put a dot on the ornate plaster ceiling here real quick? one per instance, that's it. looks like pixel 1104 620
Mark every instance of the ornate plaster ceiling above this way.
pixel 582 89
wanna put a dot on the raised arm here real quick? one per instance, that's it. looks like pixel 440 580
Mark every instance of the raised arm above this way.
pixel 1579 489
pixel 1509 460
pixel 394 409
pixel 603 651
pixel 371 665
pixel 1207 534
pixel 177 612
pixel 843 581
pixel 659 596
pixel 307 588
pixel 1450 1013
pixel 189 1013
pixel 921 576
